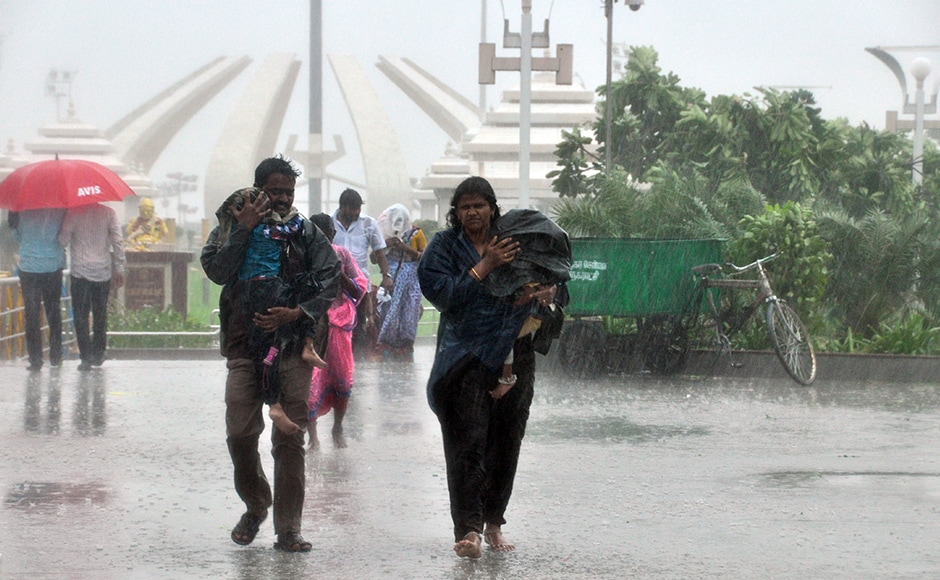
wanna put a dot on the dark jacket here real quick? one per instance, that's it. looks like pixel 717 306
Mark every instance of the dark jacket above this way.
pixel 474 322
pixel 311 252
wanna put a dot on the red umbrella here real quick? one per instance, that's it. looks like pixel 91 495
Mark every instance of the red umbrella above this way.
pixel 61 183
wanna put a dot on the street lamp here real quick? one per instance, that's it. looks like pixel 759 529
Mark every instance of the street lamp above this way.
pixel 181 183
pixel 920 68
pixel 59 85
pixel 489 64
pixel 608 118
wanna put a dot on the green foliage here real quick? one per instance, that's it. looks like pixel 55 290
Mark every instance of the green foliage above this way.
pixel 878 265
pixel 646 105
pixel 772 140
pixel 8 247
pixel 911 336
pixel 672 207
pixel 799 273
pixel 687 166
pixel 580 167
pixel 202 297
pixel 928 193
pixel 927 288
pixel 753 335
pixel 697 207
pixel 873 172
pixel 609 213
pixel 155 320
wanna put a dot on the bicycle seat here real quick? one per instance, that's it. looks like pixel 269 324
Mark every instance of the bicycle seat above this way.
pixel 705 269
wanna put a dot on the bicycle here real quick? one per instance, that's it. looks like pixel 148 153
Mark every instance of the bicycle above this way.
pixel 788 334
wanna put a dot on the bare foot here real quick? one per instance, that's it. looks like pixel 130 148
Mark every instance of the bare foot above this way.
pixel 494 539
pixel 314 440
pixel 471 546
pixel 281 421
pixel 311 357
pixel 338 440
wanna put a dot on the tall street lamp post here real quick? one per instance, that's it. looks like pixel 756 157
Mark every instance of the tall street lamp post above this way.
pixel 180 184
pixel 920 68
pixel 608 116
pixel 920 108
pixel 525 41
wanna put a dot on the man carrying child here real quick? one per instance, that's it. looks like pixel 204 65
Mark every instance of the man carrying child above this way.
pixel 261 236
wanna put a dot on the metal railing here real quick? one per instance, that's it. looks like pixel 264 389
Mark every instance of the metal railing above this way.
pixel 427 325
pixel 213 332
pixel 13 324
pixel 13 335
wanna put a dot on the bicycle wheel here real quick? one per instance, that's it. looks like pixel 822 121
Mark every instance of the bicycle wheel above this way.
pixel 665 345
pixel 791 342
pixel 582 344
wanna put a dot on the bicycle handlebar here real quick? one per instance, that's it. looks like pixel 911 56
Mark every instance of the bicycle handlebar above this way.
pixel 704 269
pixel 753 264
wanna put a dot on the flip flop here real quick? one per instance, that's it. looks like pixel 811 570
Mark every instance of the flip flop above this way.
pixel 247 528
pixel 292 542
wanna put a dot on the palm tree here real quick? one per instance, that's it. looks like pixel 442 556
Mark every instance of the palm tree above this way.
pixel 875 270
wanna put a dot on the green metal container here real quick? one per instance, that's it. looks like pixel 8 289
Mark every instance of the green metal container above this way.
pixel 635 277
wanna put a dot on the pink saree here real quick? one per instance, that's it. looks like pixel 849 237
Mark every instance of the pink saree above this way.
pixel 336 381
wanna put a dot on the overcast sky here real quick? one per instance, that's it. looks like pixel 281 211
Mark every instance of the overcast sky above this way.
pixel 125 51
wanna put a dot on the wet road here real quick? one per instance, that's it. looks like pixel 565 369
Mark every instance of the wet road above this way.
pixel 123 472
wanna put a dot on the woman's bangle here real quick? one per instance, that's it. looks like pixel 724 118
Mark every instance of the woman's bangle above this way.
pixel 475 274
pixel 510 380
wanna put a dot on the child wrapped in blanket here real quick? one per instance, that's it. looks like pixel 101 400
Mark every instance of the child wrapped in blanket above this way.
pixel 263 287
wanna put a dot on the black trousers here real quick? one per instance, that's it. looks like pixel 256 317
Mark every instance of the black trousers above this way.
pixel 42 290
pixel 482 437
pixel 90 297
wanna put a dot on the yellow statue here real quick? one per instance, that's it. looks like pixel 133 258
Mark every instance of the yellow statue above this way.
pixel 146 229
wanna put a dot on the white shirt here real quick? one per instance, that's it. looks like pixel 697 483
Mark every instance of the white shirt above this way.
pixel 95 240
pixel 358 237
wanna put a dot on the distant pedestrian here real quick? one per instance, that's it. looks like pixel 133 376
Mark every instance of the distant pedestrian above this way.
pixel 332 384
pixel 93 235
pixel 41 261
pixel 399 316
pixel 362 236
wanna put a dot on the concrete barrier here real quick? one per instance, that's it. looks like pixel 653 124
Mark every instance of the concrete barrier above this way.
pixel 883 368
pixel 831 366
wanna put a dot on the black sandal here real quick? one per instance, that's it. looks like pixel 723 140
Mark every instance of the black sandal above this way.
pixel 292 542
pixel 247 528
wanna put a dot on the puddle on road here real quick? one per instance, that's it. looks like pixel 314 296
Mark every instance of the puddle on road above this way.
pixel 806 478
pixel 38 494
pixel 610 429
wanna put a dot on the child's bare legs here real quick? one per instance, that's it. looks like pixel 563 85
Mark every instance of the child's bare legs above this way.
pixel 281 420
pixel 312 429
pixel 310 356
pixel 506 381
pixel 339 411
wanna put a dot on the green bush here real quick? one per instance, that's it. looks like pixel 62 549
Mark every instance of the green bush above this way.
pixel 155 320
pixel 799 273
pixel 203 297
pixel 911 336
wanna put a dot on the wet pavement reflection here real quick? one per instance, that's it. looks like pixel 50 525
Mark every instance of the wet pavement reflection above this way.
pixel 122 472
